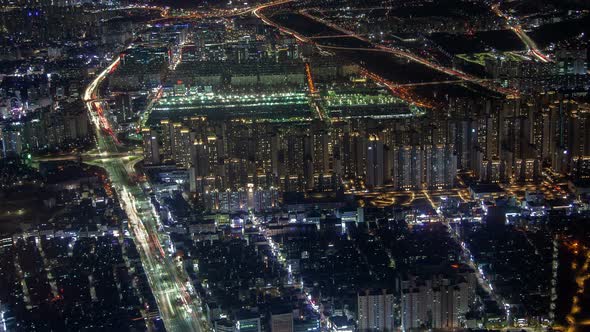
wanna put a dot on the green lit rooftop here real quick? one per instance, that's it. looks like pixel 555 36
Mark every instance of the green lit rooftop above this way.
pixel 292 106
pixel 272 106
pixel 380 105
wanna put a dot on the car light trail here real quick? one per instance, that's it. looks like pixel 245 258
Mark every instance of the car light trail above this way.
pixel 163 276
pixel 517 29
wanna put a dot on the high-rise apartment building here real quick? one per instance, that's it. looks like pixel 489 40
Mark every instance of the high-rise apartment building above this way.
pixel 408 168
pixel 376 310
pixel 151 147
pixel 375 165
pixel 441 166
pixel 436 302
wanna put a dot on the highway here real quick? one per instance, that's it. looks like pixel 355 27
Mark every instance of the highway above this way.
pixel 397 90
pixel 406 55
pixel 582 275
pixel 509 93
pixel 517 29
pixel 215 13
pixel 178 304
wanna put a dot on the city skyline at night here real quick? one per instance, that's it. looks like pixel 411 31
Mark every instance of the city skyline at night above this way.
pixel 294 165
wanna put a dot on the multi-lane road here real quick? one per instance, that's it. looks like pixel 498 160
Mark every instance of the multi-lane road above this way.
pixel 517 29
pixel 461 76
pixel 178 304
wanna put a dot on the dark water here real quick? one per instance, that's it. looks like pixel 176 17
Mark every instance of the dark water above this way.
pixel 555 32
pixel 389 66
pixel 483 41
pixel 393 68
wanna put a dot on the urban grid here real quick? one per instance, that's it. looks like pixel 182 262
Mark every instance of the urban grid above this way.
pixel 294 165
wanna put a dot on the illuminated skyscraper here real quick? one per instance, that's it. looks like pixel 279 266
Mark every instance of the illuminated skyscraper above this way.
pixel 374 162
pixel 439 302
pixel 441 166
pixel 376 310
pixel 408 168
pixel 151 147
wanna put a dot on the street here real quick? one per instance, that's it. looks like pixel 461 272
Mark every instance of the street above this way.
pixel 179 309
